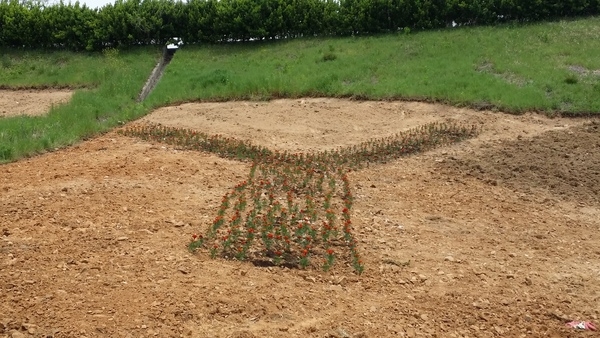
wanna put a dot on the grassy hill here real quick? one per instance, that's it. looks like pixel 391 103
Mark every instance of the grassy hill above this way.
pixel 547 67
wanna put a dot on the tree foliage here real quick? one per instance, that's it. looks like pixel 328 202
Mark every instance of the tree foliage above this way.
pixel 34 24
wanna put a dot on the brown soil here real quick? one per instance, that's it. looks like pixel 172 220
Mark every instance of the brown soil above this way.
pixel 31 102
pixel 493 237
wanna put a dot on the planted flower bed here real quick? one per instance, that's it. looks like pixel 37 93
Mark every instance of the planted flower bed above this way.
pixel 294 209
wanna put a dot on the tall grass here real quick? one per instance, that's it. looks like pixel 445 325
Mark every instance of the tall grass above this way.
pixel 540 67
pixel 38 69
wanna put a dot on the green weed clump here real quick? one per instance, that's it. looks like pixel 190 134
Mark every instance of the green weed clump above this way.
pixel 294 209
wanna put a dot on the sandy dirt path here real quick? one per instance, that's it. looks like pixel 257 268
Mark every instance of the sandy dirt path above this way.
pixel 31 102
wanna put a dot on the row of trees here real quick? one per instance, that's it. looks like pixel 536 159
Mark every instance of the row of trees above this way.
pixel 142 22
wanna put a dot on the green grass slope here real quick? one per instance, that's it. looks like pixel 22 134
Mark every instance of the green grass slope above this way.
pixel 109 84
pixel 550 67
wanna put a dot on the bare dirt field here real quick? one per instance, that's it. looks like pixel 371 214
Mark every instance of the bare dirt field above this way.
pixel 31 102
pixel 493 237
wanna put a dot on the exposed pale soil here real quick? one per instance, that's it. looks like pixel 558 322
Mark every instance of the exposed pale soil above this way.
pixel 31 102
pixel 493 237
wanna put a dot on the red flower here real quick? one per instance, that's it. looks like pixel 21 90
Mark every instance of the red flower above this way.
pixel 194 236
pixel 330 252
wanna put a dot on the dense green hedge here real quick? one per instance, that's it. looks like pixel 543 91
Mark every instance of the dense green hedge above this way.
pixel 135 22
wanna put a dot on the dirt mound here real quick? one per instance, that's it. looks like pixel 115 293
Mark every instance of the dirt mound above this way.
pixel 31 102
pixel 564 163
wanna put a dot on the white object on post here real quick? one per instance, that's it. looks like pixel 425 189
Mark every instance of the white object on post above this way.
pixel 174 43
